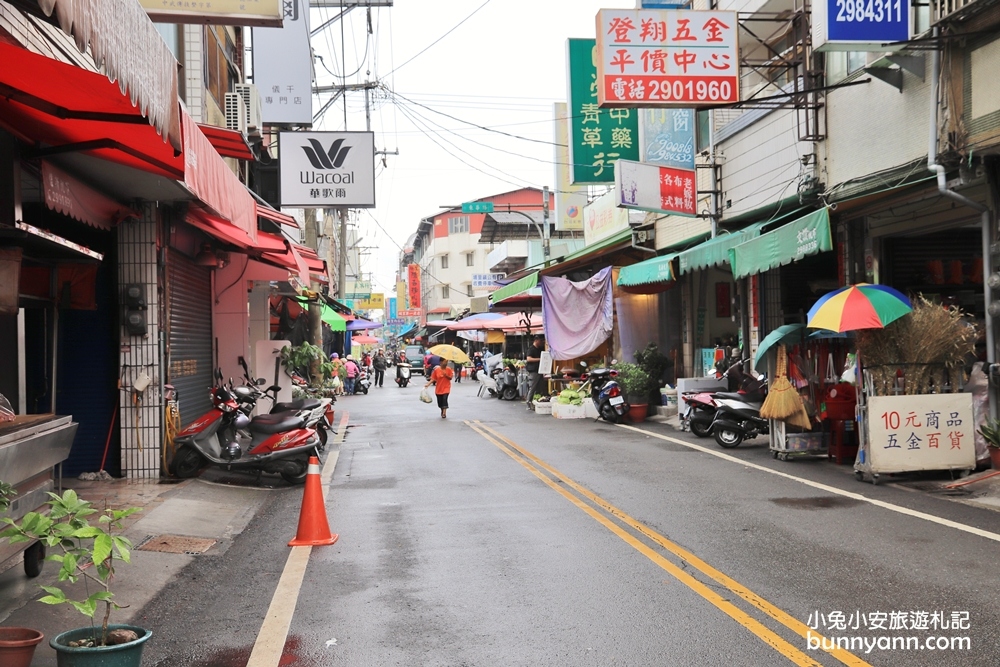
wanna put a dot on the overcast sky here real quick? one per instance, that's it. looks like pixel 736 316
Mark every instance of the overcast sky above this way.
pixel 499 64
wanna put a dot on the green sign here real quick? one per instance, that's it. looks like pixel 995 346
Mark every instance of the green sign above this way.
pixel 598 137
pixel 477 207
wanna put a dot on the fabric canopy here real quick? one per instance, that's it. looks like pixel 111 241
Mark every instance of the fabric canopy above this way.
pixel 516 323
pixel 653 270
pixel 476 322
pixel 359 324
pixel 275 216
pixel 229 143
pixel 577 315
pixel 715 251
pixel 362 339
pixel 333 318
pixel 806 236
pixel 517 287
pixel 67 108
pixel 222 230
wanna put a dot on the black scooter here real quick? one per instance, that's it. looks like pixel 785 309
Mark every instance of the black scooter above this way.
pixel 738 415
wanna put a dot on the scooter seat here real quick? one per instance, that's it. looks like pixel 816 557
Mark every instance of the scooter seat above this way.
pixel 297 404
pixel 732 396
pixel 276 423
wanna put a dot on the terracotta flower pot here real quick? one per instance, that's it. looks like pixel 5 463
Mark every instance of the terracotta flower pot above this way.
pixel 17 646
pixel 995 457
pixel 638 413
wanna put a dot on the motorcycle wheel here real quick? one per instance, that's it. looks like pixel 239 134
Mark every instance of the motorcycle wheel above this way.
pixel 187 462
pixel 296 478
pixel 728 438
pixel 608 414
pixel 364 390
pixel 473 376
pixel 509 393
pixel 321 433
pixel 34 559
pixel 700 429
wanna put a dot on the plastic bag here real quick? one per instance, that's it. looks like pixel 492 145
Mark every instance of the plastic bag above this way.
pixel 6 411
pixel 335 382
pixel 425 396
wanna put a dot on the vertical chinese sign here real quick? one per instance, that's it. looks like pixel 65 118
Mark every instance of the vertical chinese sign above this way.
pixel 282 67
pixel 413 282
pixel 401 295
pixel 598 137
pixel 921 432
pixel 648 187
pixel 666 58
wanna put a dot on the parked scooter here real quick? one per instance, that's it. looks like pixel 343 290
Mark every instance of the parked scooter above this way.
pixel 738 415
pixel 402 374
pixel 278 443
pixel 606 394
pixel 702 406
pixel 363 381
pixel 317 412
pixel 477 365
pixel 506 379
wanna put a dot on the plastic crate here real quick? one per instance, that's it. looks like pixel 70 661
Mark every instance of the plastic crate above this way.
pixel 834 409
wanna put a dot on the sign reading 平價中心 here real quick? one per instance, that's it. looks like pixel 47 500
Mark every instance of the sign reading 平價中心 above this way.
pixel 650 58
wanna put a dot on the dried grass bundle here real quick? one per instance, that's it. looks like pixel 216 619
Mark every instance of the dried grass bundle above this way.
pixel 928 348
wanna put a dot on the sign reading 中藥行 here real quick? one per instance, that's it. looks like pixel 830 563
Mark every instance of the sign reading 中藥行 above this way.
pixel 477 207
pixel 921 432
pixel 648 187
pixel 319 169
pixel 861 25
pixel 487 281
pixel 679 57
pixel 598 136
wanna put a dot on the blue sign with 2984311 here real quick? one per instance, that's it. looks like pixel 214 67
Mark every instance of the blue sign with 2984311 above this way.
pixel 871 21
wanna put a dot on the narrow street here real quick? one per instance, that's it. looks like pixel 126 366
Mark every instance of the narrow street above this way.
pixel 501 537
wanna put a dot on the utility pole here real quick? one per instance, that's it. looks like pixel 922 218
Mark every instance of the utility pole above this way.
pixel 315 304
pixel 342 262
pixel 545 222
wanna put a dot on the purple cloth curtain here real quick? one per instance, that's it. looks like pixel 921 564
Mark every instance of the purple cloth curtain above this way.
pixel 577 317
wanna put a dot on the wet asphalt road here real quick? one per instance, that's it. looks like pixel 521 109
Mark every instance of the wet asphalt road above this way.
pixel 454 551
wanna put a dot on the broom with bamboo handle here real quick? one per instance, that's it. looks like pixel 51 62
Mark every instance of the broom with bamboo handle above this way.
pixel 783 399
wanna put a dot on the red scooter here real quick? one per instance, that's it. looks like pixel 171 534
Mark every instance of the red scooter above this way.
pixel 279 443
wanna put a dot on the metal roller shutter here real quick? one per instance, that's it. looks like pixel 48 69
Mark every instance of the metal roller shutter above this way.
pixel 189 339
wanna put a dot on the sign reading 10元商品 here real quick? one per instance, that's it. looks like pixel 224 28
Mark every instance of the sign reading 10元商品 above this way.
pixel 325 169
pixel 860 25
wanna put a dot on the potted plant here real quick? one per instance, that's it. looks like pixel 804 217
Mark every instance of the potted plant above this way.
pixel 89 551
pixel 655 363
pixel 636 384
pixel 991 431
pixel 17 645
pixel 308 359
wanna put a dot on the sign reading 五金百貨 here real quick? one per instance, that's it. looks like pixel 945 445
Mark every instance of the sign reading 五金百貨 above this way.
pixel 598 136
pixel 921 432
pixel 651 58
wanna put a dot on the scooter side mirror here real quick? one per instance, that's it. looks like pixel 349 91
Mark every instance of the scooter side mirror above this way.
pixel 614 361
pixel 583 363
pixel 260 382
pixel 275 388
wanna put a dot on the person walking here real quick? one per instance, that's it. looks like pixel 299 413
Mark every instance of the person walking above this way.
pixel 531 361
pixel 352 373
pixel 379 363
pixel 441 379
pixel 338 371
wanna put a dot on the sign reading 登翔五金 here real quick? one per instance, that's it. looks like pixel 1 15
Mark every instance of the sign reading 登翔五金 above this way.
pixel 921 432
pixel 653 58
pixel 598 137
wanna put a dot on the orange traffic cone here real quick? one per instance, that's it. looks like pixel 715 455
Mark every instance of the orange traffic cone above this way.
pixel 314 530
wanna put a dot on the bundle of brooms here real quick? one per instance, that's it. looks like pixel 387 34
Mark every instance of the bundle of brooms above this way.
pixel 928 348
pixel 783 400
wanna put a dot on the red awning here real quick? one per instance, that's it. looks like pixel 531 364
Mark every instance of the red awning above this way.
pixel 229 143
pixel 219 229
pixel 68 109
pixel 276 216
pixel 70 196
pixel 311 259
pixel 271 242
pixel 442 309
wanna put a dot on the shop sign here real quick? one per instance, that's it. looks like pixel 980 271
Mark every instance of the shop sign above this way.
pixel 401 294
pixel 414 288
pixel 667 137
pixel 373 302
pixel 487 281
pixel 392 308
pixel 358 289
pixel 283 65
pixel 598 136
pixel 409 313
pixel 655 58
pixel 861 25
pixel 320 169
pixel 602 218
pixel 921 432
pixel 569 199
pixel 647 187
pixel 395 321
pixel 216 12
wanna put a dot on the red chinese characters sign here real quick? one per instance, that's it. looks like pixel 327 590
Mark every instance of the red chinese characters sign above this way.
pixel 649 187
pixel 413 285
pixel 921 432
pixel 650 58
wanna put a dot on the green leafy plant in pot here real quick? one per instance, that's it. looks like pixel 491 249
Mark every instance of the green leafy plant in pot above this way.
pixel 991 431
pixel 17 645
pixel 636 384
pixel 89 552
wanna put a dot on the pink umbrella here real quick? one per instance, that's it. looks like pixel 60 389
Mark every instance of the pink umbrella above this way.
pixel 515 323
pixel 364 339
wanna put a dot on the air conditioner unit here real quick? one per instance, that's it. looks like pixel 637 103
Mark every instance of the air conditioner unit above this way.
pixel 251 98
pixel 236 113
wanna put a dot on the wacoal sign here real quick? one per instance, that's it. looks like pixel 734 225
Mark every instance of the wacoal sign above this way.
pixel 326 169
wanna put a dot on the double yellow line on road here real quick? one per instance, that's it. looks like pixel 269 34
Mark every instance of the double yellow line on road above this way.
pixel 562 484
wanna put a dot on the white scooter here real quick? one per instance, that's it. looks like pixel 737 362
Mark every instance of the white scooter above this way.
pixel 402 374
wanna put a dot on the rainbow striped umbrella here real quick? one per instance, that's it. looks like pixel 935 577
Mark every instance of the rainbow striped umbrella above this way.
pixel 861 306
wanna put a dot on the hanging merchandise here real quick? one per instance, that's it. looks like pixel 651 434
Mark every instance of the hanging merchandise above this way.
pixel 782 400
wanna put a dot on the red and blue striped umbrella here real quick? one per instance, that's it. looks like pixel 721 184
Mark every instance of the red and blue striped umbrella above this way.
pixel 861 306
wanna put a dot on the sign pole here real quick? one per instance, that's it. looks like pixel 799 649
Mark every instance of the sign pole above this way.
pixel 342 262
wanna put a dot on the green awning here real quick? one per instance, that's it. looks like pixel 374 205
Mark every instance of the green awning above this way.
pixel 333 318
pixel 806 236
pixel 653 270
pixel 520 285
pixel 615 239
pixel 714 252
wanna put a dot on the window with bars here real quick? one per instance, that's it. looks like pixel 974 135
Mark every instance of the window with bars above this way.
pixel 458 224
